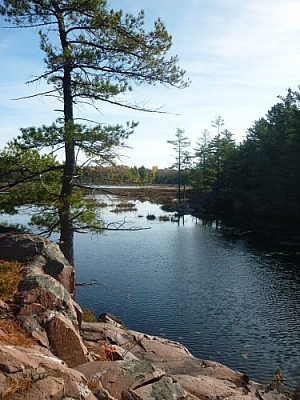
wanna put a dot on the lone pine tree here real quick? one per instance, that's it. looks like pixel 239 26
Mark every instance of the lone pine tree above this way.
pixel 92 53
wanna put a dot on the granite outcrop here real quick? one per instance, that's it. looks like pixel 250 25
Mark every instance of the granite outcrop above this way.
pixel 47 351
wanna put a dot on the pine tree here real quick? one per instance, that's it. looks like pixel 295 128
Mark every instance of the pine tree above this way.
pixel 92 53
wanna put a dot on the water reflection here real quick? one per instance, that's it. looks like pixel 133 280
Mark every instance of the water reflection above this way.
pixel 226 297
pixel 220 296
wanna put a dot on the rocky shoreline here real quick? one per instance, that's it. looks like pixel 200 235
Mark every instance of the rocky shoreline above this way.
pixel 48 352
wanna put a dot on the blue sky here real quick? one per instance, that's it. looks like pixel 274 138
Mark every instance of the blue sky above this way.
pixel 239 54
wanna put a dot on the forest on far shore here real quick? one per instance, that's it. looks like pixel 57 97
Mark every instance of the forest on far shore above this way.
pixel 261 175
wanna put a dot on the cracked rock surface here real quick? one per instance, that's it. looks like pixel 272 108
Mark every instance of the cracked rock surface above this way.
pixel 47 352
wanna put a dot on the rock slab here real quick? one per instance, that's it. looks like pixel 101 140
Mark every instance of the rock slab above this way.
pixel 57 356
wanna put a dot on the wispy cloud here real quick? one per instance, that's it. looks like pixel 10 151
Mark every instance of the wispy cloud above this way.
pixel 239 54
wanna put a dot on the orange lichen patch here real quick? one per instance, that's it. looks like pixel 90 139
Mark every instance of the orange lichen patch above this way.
pixel 10 276
pixel 11 333
pixel 110 352
pixel 102 351
pixel 92 385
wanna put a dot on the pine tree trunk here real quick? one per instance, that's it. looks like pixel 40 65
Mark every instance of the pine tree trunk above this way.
pixel 65 217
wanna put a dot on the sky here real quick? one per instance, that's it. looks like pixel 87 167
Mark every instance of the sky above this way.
pixel 239 55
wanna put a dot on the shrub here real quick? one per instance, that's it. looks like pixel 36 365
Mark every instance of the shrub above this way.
pixel 277 380
pixel 88 315
pixel 150 217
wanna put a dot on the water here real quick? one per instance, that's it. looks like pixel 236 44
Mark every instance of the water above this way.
pixel 221 297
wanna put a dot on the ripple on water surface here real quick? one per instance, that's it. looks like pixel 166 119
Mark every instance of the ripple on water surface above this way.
pixel 221 298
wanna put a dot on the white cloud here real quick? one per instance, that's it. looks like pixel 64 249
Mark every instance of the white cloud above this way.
pixel 239 54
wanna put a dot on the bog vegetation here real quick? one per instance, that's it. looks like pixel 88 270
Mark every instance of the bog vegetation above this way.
pixel 92 54
pixel 261 175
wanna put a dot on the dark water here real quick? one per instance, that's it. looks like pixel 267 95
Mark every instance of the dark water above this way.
pixel 222 297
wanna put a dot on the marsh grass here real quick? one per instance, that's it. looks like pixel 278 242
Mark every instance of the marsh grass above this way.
pixel 164 218
pixel 124 206
pixel 102 204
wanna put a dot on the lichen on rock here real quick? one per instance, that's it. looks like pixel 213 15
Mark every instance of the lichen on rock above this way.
pixel 51 354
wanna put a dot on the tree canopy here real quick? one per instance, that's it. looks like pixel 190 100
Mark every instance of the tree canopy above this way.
pixel 182 156
pixel 261 174
pixel 92 54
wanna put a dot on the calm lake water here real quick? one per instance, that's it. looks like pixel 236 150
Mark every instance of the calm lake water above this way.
pixel 222 297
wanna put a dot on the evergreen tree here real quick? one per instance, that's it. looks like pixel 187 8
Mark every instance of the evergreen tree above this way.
pixel 269 157
pixel 218 123
pixel 201 172
pixel 182 156
pixel 92 54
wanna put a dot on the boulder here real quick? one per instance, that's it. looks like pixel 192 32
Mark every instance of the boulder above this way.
pixel 65 342
pixel 172 369
pixel 37 287
pixel 151 348
pixel 4 308
pixel 25 247
pixel 35 373
pixel 111 319
pixel 204 387
pixel 57 356
pixel 46 309
pixel 163 388
pixel 31 325
pixel 126 379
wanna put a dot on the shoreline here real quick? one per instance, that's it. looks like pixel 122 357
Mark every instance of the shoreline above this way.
pixel 60 347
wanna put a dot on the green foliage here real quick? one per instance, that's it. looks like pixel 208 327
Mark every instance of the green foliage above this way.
pixel 122 174
pixel 33 179
pixel 97 142
pixel 180 144
pixel 182 159
pixel 270 156
pixel 88 315
pixel 92 54
pixel 262 174
pixel 104 50
pixel 83 215
pixel 215 160
pixel 278 380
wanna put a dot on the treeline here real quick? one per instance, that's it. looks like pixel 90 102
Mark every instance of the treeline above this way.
pixel 260 175
pixel 122 175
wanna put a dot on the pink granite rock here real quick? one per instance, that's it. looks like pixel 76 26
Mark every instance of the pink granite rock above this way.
pixel 141 377
pixel 35 373
pixel 25 247
pixel 148 367
pixel 65 342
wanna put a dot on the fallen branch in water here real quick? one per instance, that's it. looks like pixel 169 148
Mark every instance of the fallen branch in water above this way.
pixel 93 282
pixel 118 226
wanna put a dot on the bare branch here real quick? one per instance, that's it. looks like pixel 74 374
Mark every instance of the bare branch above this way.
pixel 118 226
pixel 35 95
pixel 33 174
